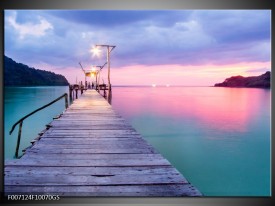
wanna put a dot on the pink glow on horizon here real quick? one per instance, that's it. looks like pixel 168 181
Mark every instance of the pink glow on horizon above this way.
pixel 221 111
pixel 201 75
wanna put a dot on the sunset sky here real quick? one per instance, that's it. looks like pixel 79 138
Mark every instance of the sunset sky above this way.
pixel 175 47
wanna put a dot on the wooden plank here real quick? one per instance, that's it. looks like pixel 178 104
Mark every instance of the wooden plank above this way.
pixel 174 190
pixel 102 122
pixel 90 117
pixel 95 179
pixel 88 141
pixel 95 108
pixel 94 121
pixel 114 157
pixel 93 146
pixel 22 170
pixel 94 151
pixel 90 113
pixel 91 132
pixel 85 115
pixel 114 126
pixel 90 162
pixel 89 136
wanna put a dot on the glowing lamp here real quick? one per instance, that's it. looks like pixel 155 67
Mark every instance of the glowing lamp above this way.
pixel 95 51
pixel 93 73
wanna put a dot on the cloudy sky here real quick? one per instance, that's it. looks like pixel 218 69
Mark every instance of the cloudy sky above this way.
pixel 176 47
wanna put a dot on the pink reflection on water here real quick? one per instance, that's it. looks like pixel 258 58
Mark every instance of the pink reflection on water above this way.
pixel 223 109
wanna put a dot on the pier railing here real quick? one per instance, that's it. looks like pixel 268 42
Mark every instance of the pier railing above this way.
pixel 20 121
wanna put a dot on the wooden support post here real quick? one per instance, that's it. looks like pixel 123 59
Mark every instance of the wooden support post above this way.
pixel 109 63
pixel 85 81
pixel 18 139
pixel 66 101
pixel 76 93
pixel 81 88
pixel 109 97
pixel 98 80
pixel 96 83
pixel 70 91
pixel 104 95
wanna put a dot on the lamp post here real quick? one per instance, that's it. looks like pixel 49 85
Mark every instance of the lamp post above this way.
pixel 84 73
pixel 109 49
pixel 93 72
pixel 96 72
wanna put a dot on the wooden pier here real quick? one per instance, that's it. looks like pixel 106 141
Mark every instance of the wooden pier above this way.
pixel 92 151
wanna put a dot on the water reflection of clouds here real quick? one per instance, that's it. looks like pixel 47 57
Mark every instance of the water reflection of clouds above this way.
pixel 222 132
pixel 223 109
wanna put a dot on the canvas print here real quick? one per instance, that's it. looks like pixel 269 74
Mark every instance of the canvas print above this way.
pixel 137 103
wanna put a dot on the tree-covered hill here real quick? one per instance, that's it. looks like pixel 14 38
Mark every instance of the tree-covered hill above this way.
pixel 17 74
pixel 262 81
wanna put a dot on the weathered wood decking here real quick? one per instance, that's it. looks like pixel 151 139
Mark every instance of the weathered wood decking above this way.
pixel 92 151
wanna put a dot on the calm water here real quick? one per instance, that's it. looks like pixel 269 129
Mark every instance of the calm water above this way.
pixel 219 138
pixel 20 101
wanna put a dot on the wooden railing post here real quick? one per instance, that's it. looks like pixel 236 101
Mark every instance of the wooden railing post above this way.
pixel 71 91
pixel 18 139
pixel 76 93
pixel 66 101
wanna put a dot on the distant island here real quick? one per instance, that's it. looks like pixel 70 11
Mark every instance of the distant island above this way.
pixel 262 81
pixel 17 74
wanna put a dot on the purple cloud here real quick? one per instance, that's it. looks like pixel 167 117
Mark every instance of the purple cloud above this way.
pixel 142 37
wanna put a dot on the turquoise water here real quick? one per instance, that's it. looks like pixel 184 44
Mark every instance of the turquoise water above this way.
pixel 218 138
pixel 20 101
